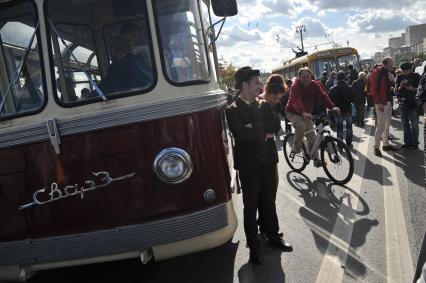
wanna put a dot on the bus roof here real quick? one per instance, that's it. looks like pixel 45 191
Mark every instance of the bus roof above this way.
pixel 291 62
pixel 332 52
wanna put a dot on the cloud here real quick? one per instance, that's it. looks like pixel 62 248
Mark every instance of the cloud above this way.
pixel 235 35
pixel 285 7
pixel 361 4
pixel 314 27
pixel 264 31
pixel 376 22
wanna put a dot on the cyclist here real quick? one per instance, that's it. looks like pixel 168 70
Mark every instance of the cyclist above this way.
pixel 304 92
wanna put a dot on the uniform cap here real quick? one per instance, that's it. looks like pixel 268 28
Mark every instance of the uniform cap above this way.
pixel 244 74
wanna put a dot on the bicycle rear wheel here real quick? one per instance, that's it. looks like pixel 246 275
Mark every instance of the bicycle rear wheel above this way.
pixel 294 160
pixel 337 160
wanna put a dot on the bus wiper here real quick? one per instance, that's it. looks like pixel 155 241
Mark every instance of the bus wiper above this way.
pixel 89 77
pixel 18 70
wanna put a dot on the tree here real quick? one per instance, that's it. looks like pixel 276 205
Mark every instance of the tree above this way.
pixel 227 72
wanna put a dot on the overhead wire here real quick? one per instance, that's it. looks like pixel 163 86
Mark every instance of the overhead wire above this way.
pixel 252 41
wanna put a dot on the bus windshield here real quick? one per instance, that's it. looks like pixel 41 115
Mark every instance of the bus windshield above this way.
pixel 106 44
pixel 345 61
pixel 182 40
pixel 21 84
pixel 321 65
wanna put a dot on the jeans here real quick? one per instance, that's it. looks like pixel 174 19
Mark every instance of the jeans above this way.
pixel 349 134
pixel 410 126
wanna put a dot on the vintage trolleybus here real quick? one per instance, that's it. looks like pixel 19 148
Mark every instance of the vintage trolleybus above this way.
pixel 112 140
pixel 324 60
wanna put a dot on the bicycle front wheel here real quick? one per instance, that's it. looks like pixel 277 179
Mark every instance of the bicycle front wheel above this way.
pixel 337 160
pixel 294 160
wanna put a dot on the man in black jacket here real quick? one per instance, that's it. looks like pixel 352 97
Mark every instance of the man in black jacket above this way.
pixel 253 125
pixel 406 86
pixel 342 96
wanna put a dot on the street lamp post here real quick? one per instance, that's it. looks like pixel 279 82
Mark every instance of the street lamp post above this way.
pixel 301 29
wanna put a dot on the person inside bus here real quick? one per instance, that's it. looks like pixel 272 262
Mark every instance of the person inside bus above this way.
pixel 131 33
pixel 178 65
pixel 32 95
pixel 250 121
pixel 127 71
pixel 303 94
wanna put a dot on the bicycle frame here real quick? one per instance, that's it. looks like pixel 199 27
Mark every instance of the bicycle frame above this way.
pixel 308 154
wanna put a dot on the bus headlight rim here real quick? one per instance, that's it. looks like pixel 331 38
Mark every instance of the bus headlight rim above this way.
pixel 179 163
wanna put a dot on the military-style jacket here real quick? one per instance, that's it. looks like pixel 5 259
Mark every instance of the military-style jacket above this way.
pixel 249 125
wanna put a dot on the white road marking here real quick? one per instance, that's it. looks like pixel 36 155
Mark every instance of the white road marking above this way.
pixel 399 263
pixel 332 267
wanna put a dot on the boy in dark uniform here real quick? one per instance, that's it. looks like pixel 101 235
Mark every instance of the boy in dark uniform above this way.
pixel 252 122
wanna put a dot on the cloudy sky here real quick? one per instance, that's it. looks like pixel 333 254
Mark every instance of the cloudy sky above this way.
pixel 264 31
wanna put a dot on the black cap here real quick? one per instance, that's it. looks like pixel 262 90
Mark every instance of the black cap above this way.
pixel 243 75
pixel 405 66
pixel 340 76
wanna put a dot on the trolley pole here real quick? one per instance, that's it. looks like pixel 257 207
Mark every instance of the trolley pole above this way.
pixel 301 29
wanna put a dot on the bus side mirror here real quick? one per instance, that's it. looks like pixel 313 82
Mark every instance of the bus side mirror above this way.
pixel 224 8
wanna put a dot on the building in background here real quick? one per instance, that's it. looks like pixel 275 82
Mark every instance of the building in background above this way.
pixel 378 57
pixel 411 43
pixel 396 42
pixel 415 34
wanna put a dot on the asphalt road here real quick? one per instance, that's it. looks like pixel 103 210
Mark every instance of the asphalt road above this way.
pixel 369 231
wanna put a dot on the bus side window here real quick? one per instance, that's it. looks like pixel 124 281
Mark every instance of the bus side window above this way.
pixel 94 60
pixel 26 91
pixel 129 57
pixel 77 55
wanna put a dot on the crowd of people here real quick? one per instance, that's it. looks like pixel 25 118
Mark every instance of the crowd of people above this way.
pixel 355 93
pixel 254 120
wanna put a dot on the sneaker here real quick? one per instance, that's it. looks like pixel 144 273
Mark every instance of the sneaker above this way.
pixel 406 146
pixel 317 162
pixel 377 152
pixel 389 148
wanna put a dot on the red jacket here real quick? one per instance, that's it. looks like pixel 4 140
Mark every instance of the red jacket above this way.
pixel 302 99
pixel 380 86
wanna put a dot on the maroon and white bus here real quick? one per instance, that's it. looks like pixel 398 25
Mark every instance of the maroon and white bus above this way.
pixel 112 136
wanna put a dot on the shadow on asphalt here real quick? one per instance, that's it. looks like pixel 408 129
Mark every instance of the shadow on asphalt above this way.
pixel 322 205
pixel 211 266
pixel 270 270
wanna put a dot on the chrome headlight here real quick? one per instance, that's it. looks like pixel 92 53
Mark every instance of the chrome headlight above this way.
pixel 173 165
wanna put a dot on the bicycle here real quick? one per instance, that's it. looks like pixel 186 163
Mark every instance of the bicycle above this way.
pixel 335 154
